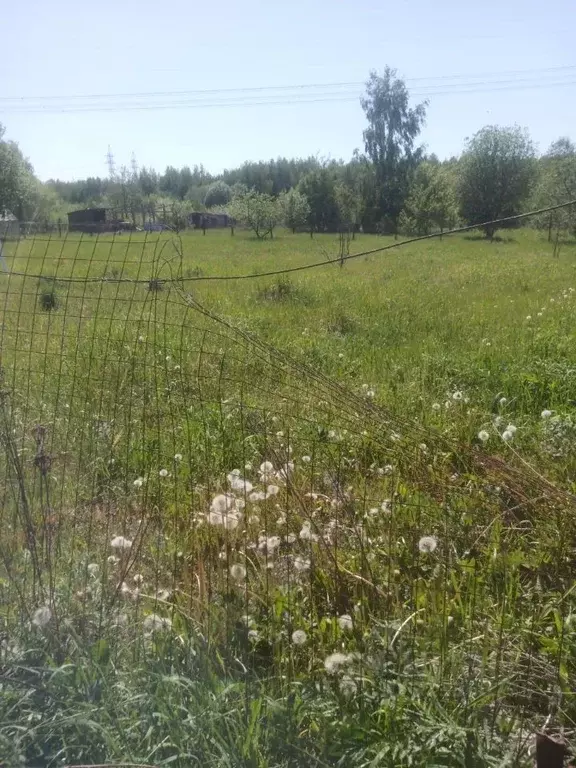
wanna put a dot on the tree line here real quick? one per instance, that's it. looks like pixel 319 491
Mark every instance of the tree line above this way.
pixel 393 186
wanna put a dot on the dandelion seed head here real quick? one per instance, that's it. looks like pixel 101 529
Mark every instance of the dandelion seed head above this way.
pixel 121 543
pixel 93 569
pixel 301 564
pixel 507 435
pixel 42 616
pixel 306 459
pixel 272 490
pixel 238 483
pixel 269 544
pixel 139 482
pixel 163 473
pixel 457 396
pixel 113 560
pixel 306 533
pixel 138 578
pixel 436 406
pixel 238 571
pixel 546 414
pixel 483 436
pixel 299 637
pixel 253 635
pixel 427 544
pixel 154 623
pixel 334 662
pixel 345 622
pixel 177 457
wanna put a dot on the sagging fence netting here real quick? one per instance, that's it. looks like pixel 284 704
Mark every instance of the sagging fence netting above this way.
pixel 176 491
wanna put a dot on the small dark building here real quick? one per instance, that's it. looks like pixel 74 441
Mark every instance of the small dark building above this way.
pixel 94 220
pixel 210 220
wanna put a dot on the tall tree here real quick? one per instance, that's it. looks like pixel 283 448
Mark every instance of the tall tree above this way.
pixel 389 139
pixel 219 193
pixel 318 188
pixel 496 173
pixel 556 185
pixel 17 181
pixel 431 202
pixel 256 210
pixel 295 209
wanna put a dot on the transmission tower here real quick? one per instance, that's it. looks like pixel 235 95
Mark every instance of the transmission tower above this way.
pixel 111 163
pixel 134 165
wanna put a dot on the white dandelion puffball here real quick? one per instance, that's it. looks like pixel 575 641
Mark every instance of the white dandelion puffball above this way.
pixel 266 471
pixel 42 616
pixel 483 436
pixel 306 459
pixel 238 571
pixel 511 428
pixel 257 496
pixel 301 564
pixel 334 662
pixel 93 569
pixel 306 533
pixel 238 483
pixel 272 490
pixel 139 482
pixel 546 414
pixel 113 560
pixel 177 457
pixel 228 520
pixel 155 623
pixel 269 544
pixel 436 406
pixel 253 636
pixel 427 544
pixel 299 637
pixel 121 544
pixel 138 578
pixel 507 435
pixel 345 622
pixel 163 473
pixel 457 396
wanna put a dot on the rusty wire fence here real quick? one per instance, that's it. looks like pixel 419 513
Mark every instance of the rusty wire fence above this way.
pixel 171 482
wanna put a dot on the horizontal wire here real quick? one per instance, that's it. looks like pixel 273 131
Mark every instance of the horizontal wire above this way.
pixel 288 270
pixel 278 102
pixel 299 86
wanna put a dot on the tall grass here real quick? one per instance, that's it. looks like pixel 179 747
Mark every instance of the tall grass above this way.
pixel 280 523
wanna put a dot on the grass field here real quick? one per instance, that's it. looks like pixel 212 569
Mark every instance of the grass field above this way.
pixel 316 519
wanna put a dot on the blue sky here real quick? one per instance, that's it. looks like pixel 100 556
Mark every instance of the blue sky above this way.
pixel 70 49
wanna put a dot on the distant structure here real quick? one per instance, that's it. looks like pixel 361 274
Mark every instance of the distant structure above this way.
pixel 210 220
pixel 9 225
pixel 94 220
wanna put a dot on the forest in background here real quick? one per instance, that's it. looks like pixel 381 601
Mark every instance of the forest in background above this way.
pixel 395 185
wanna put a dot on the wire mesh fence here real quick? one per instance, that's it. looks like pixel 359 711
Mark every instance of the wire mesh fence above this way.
pixel 176 493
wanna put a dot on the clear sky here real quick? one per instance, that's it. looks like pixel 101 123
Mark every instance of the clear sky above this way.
pixel 73 49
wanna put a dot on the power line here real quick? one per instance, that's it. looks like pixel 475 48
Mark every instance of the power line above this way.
pixel 298 86
pixel 302 268
pixel 321 98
